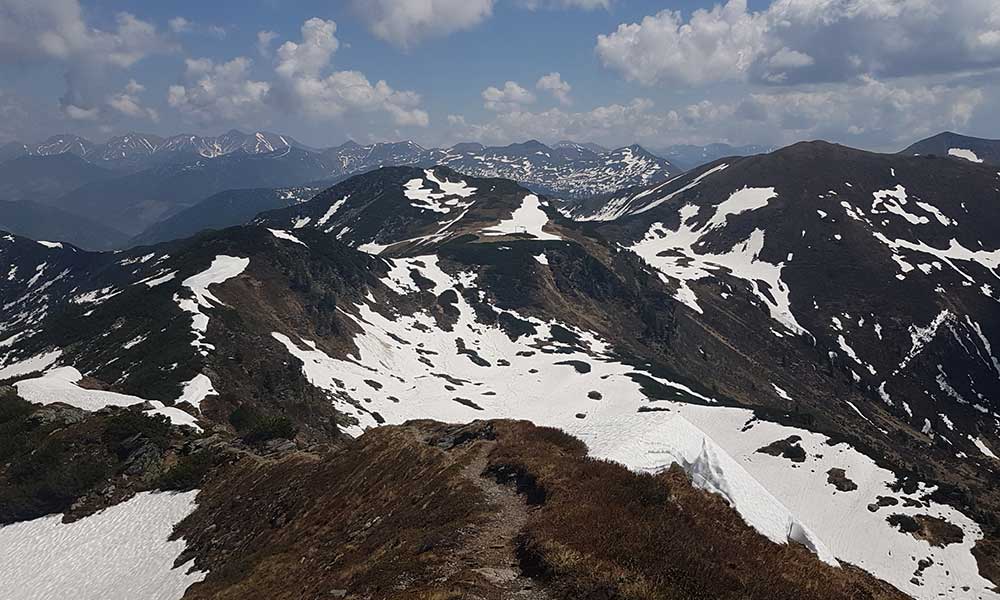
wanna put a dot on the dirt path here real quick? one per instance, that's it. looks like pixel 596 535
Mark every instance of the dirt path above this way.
pixel 489 555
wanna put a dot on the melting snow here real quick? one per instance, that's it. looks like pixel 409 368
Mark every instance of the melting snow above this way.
pixel 331 211
pixel 60 385
pixel 893 201
pixel 120 553
pixel 528 219
pixel 196 390
pixel 39 362
pixel 968 155
pixel 671 195
pixel 281 234
pixel 222 269
pixel 475 371
pixel 444 201
pixel 673 254
pixel 983 447
pixel 159 279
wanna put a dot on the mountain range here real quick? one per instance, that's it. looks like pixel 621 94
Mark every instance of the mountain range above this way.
pixel 788 359
pixel 133 182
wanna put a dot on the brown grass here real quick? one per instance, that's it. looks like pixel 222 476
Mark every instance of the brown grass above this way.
pixel 379 518
pixel 399 513
pixel 605 532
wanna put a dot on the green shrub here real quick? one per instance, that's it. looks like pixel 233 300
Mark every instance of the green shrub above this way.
pixel 243 418
pixel 15 427
pixel 269 428
pixel 128 425
pixel 254 427
pixel 13 407
pixel 189 472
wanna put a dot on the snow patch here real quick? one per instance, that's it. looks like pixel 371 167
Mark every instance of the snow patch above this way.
pixel 223 268
pixel 281 234
pixel 120 553
pixel 196 390
pixel 528 219
pixel 968 155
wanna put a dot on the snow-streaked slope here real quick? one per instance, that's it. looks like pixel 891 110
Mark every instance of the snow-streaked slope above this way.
pixel 677 254
pixel 39 362
pixel 60 385
pixel 120 553
pixel 408 367
pixel 222 269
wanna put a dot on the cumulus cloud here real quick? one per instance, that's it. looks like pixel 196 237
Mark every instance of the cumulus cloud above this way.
pixel 179 25
pixel 128 103
pixel 301 83
pixel 404 22
pixel 264 40
pixel 865 112
pixel 509 98
pixel 806 41
pixel 715 45
pixel 310 56
pixel 39 30
pixel 54 31
pixel 898 112
pixel 554 84
pixel 213 92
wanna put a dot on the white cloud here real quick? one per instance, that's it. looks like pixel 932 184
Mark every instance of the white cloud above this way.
pixel 349 91
pixel 301 87
pixel 310 56
pixel 81 114
pixel 300 84
pixel 806 41
pixel 55 31
pixel 715 45
pixel 510 98
pixel 179 25
pixel 554 84
pixel 214 92
pixel 786 58
pixel 865 112
pixel 405 22
pixel 127 102
pixel 264 40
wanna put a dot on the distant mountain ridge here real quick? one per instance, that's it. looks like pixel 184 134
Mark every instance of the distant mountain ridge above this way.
pixel 138 148
pixel 567 169
pixel 972 149
pixel 688 156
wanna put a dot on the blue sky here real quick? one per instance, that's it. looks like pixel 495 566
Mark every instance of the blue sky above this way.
pixel 869 73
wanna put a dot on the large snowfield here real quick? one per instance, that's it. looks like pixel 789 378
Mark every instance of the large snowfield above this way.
pixel 121 553
pixel 406 367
